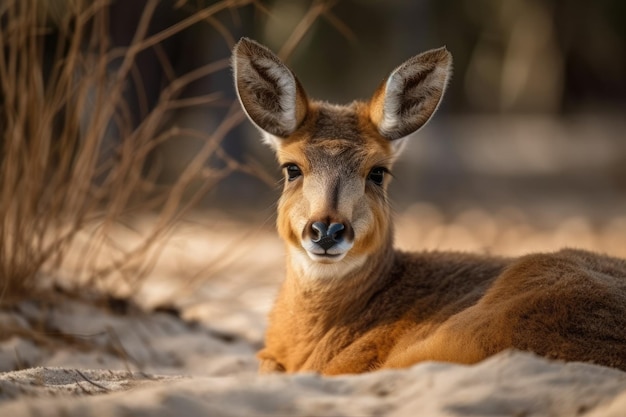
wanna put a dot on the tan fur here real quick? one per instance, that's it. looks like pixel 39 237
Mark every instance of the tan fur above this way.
pixel 373 307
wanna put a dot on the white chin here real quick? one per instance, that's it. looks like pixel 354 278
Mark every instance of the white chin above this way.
pixel 310 266
pixel 326 259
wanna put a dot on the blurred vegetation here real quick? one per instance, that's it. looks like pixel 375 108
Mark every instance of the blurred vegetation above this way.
pixel 515 56
pixel 78 131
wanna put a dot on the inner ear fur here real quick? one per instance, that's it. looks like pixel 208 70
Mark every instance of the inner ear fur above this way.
pixel 269 92
pixel 409 97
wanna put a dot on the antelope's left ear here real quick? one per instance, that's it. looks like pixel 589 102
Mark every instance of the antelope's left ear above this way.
pixel 269 92
pixel 411 94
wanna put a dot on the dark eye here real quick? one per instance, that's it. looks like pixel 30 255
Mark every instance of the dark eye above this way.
pixel 293 171
pixel 377 175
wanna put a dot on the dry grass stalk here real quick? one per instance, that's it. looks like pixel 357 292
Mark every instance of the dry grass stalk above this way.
pixel 61 174
pixel 73 162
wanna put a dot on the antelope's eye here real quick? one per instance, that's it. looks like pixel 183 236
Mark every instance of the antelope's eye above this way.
pixel 293 171
pixel 377 175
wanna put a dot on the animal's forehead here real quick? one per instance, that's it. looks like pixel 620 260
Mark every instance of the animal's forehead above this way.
pixel 335 154
pixel 343 133
pixel 337 123
pixel 336 137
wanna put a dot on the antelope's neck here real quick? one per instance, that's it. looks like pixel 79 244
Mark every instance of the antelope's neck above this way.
pixel 334 294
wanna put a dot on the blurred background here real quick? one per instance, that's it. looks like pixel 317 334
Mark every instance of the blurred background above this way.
pixel 533 118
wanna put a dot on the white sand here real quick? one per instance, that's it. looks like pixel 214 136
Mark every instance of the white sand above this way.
pixel 155 364
pixel 509 384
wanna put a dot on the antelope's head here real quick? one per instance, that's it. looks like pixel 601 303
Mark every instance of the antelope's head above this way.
pixel 333 213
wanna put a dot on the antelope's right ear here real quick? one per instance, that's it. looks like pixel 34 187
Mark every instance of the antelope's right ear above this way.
pixel 408 98
pixel 268 91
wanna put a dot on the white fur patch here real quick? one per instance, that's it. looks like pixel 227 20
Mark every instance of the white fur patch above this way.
pixel 397 147
pixel 273 141
pixel 309 270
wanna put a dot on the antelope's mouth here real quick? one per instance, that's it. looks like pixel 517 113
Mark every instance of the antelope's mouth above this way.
pixel 326 257
pixel 320 254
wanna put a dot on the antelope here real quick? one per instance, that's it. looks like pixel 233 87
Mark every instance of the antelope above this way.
pixel 350 302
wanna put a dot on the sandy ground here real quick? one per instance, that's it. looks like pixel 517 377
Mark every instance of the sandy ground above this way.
pixel 509 384
pixel 186 344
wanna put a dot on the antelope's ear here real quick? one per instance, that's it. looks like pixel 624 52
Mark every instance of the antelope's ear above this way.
pixel 411 94
pixel 268 91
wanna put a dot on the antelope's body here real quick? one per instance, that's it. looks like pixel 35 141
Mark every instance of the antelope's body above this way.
pixel 351 303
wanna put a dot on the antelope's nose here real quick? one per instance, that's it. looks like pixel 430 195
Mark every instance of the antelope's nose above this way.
pixel 327 235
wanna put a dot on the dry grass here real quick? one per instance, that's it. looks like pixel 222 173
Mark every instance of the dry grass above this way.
pixel 67 181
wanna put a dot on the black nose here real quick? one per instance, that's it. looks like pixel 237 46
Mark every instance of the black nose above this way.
pixel 327 236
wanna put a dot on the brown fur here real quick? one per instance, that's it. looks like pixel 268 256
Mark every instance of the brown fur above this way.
pixel 453 307
pixel 375 307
